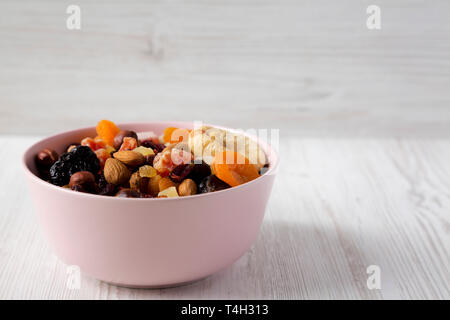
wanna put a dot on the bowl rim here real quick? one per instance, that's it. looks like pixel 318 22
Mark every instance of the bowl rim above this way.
pixel 271 154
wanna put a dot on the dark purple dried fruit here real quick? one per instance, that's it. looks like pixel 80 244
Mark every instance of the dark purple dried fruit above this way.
pixel 157 147
pixel 181 172
pixel 149 159
pixel 199 172
pixel 118 139
pixel 108 190
pixel 81 158
pixel 128 193
pixel 211 184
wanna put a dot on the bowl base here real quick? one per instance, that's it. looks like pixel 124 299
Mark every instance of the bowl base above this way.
pixel 162 286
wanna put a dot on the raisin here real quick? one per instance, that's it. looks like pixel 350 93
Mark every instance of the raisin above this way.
pixel 181 172
pixel 211 184
pixel 81 158
pixel 157 147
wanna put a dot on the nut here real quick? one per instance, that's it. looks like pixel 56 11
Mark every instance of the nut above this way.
pixel 165 183
pixel 118 139
pixel 187 188
pixel 139 183
pixel 85 179
pixel 153 185
pixel 116 172
pixel 46 158
pixel 130 158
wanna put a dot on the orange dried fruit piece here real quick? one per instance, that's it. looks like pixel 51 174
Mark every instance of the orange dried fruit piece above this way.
pixel 107 130
pixel 175 135
pixel 233 168
pixel 128 144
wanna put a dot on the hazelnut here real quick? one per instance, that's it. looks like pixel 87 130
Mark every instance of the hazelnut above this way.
pixel 187 188
pixel 118 139
pixel 84 179
pixel 46 158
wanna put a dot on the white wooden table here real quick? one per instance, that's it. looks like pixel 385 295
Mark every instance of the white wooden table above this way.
pixel 338 206
pixel 364 118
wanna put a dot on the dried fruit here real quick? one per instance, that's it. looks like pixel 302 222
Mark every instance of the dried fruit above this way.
pixel 157 147
pixel 116 172
pixel 181 172
pixel 233 168
pixel 128 144
pixel 102 155
pixel 118 139
pixel 130 158
pixel 175 135
pixel 147 171
pixel 81 158
pixel 199 172
pixel 168 159
pixel 84 179
pixel 187 188
pixel 153 185
pixel 94 144
pixel 107 130
pixel 128 193
pixel 170 192
pixel 139 183
pixel 144 151
pixel 104 187
pixel 165 183
pixel 211 184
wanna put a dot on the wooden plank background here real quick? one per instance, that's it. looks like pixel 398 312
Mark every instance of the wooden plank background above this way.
pixel 364 140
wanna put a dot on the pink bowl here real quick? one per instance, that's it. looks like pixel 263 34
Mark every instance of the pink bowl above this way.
pixel 147 242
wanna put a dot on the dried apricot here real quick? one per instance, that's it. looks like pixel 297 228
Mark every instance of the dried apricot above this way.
pixel 107 130
pixel 233 168
pixel 175 135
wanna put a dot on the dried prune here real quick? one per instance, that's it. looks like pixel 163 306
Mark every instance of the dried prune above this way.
pixel 157 147
pixel 199 172
pixel 81 158
pixel 211 184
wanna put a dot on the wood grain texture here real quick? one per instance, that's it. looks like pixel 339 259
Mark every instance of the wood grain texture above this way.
pixel 338 206
pixel 310 67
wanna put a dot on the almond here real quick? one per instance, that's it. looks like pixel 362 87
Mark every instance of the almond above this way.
pixel 116 172
pixel 130 158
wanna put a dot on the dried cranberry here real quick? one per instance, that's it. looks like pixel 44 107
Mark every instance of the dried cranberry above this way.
pixel 181 172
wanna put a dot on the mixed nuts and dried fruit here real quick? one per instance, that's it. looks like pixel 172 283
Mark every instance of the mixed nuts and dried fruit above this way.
pixel 181 162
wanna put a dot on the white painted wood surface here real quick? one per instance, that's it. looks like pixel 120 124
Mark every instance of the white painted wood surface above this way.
pixel 337 207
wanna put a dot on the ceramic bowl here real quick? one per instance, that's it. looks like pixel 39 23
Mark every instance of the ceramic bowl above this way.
pixel 155 242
